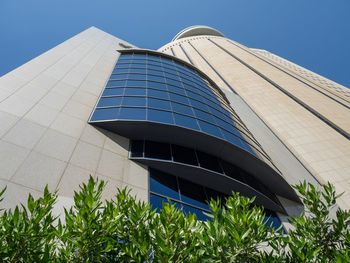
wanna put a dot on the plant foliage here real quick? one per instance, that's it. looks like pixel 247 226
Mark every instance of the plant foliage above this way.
pixel 127 230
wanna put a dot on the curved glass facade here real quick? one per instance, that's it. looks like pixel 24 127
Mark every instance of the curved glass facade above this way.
pixel 173 153
pixel 190 197
pixel 147 87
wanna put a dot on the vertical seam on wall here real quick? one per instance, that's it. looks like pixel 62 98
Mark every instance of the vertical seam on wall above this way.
pixel 186 55
pixel 315 113
pixel 291 75
pixel 172 51
pixel 285 69
pixel 228 85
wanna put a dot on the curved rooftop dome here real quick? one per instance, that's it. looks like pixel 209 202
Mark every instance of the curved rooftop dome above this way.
pixel 197 31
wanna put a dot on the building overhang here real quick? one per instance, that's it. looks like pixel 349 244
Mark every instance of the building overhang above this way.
pixel 147 130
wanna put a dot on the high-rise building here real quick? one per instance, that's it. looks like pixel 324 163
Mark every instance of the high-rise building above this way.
pixel 201 117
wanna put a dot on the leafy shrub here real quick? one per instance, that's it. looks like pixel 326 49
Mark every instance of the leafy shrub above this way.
pixel 126 230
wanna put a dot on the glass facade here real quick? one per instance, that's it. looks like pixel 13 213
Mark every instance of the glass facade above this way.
pixel 188 196
pixel 185 156
pixel 147 87
pixel 151 90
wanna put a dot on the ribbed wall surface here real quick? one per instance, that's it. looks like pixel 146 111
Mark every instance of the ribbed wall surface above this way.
pixel 312 122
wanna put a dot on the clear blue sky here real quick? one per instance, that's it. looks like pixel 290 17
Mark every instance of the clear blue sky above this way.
pixel 312 33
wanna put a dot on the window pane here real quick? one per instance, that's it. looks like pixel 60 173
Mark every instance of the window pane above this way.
pixel 136 83
pixel 155 72
pixel 187 122
pixel 137 76
pixel 173 82
pixel 203 115
pixel 182 108
pixel 120 70
pixel 135 91
pixel 137 65
pixel 232 138
pixel 138 70
pixel 160 116
pixel 156 78
pixel 119 76
pixel 184 155
pixel 159 104
pixel 156 85
pixel 116 83
pixel 109 102
pixel 211 129
pixel 178 90
pixel 178 98
pixel 192 193
pixel 157 150
pixel 137 148
pixel 105 114
pixel 132 114
pixel 113 92
pixel 134 101
pixel 199 105
pixel 164 184
pixel 209 162
pixel 139 56
pixel 158 94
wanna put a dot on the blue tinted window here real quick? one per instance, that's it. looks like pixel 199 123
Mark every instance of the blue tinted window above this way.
pixel 137 65
pixel 105 114
pixel 158 94
pixel 182 108
pixel 136 83
pixel 164 184
pixel 199 105
pixel 178 98
pixel 120 70
pixel 109 102
pixel 137 70
pixel 132 113
pixel 113 92
pixel 177 90
pixel 137 76
pixel 223 124
pixel 191 88
pixel 209 128
pixel 135 91
pixel 232 138
pixel 121 65
pixel 160 116
pixel 173 82
pixel 155 72
pixel 159 104
pixel 153 57
pixel 125 57
pixel 185 121
pixel 203 115
pixel 157 85
pixel 134 101
pixel 157 202
pixel 116 83
pixel 192 194
pixel 139 56
pixel 154 67
pixel 156 78
pixel 119 76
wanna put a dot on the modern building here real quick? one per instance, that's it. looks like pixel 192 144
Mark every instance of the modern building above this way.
pixel 201 117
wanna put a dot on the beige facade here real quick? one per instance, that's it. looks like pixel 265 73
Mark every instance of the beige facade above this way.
pixel 45 137
pixel 308 114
